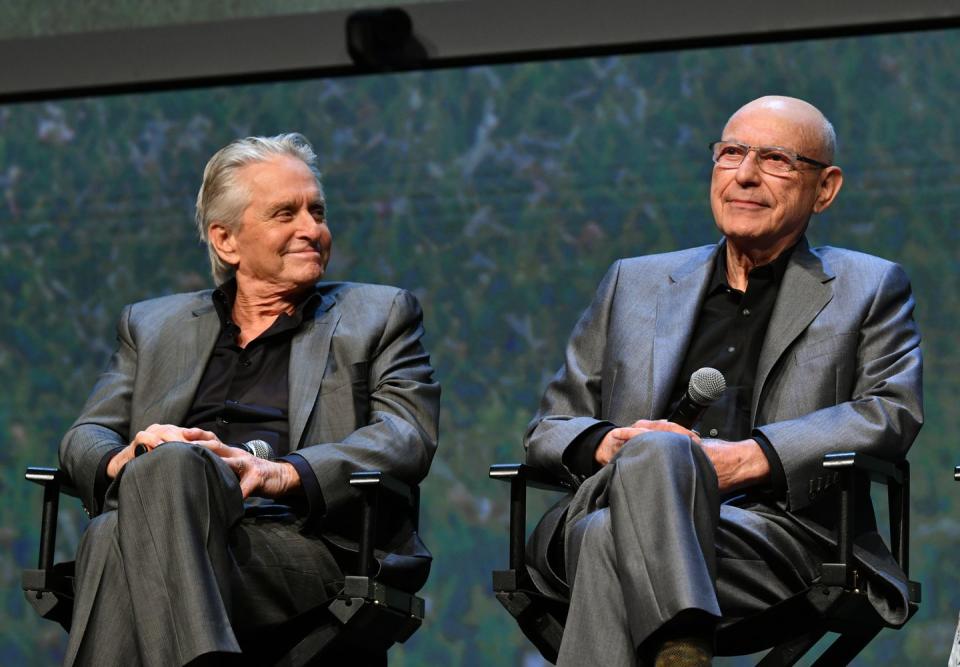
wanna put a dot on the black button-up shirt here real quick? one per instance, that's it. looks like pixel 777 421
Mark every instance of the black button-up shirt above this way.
pixel 728 336
pixel 244 392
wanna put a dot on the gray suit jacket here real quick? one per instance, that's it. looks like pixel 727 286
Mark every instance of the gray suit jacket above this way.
pixel 361 389
pixel 840 368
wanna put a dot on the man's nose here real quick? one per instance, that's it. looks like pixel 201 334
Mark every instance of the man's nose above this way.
pixel 308 226
pixel 749 169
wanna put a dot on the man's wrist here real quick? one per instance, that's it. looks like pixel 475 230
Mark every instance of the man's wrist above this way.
pixel 756 467
pixel 739 464
pixel 116 461
pixel 291 478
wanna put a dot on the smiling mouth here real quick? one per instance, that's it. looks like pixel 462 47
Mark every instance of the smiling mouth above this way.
pixel 747 203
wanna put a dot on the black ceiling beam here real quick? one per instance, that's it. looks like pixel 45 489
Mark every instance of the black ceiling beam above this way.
pixel 455 33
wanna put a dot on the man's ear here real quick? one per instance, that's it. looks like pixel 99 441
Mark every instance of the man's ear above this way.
pixel 224 241
pixel 831 180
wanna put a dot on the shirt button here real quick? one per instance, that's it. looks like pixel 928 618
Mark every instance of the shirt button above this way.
pixel 714 433
pixel 746 312
pixel 731 349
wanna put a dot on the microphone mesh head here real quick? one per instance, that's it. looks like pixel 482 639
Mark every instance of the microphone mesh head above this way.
pixel 259 448
pixel 706 385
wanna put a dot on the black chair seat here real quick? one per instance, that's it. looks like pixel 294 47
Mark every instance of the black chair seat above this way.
pixel 834 603
pixel 371 615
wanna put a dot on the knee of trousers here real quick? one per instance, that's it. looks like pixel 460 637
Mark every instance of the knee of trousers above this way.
pixel 101 527
pixel 169 467
pixel 660 458
pixel 657 449
pixel 592 541
pixel 97 540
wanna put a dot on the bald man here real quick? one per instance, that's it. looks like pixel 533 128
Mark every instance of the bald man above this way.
pixel 672 530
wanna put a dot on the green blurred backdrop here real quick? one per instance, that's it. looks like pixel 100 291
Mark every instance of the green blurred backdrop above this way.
pixel 499 195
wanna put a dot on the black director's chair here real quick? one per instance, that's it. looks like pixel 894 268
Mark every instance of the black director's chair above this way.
pixel 835 603
pixel 371 615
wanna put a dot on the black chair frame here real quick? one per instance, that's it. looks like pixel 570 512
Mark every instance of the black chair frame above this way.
pixel 834 603
pixel 372 615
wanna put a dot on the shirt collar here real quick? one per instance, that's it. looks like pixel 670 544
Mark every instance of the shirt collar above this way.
pixel 773 270
pixel 225 295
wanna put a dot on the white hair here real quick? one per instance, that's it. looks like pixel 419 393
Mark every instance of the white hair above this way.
pixel 828 138
pixel 223 199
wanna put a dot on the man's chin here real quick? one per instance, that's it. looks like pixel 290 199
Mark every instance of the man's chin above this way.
pixel 310 277
pixel 747 239
pixel 310 268
pixel 319 273
pixel 742 231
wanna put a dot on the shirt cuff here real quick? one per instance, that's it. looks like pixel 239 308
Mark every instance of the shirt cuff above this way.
pixel 101 481
pixel 580 455
pixel 316 506
pixel 778 478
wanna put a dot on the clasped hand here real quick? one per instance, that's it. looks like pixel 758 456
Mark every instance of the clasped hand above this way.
pixel 257 476
pixel 738 464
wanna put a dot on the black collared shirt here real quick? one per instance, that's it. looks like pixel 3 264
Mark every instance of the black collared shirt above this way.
pixel 244 392
pixel 728 336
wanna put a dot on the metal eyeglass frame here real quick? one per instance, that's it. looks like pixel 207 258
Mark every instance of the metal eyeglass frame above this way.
pixel 794 157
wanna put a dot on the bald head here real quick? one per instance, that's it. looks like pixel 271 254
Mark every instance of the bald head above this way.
pixel 763 212
pixel 815 134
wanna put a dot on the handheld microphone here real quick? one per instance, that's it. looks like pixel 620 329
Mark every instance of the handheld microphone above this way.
pixel 259 448
pixel 706 386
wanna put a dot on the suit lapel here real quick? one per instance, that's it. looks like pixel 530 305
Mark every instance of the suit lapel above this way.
pixel 804 292
pixel 177 384
pixel 678 305
pixel 308 362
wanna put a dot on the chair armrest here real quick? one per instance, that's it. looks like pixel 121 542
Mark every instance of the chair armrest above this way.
pixel 520 476
pixel 530 476
pixel 879 470
pixel 852 468
pixel 372 484
pixel 51 479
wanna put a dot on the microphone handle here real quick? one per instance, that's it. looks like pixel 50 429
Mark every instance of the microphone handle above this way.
pixel 687 413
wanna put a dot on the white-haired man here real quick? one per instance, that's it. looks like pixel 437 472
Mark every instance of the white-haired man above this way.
pixel 820 352
pixel 196 544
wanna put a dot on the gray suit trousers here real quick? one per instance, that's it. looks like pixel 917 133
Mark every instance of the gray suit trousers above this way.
pixel 647 538
pixel 177 567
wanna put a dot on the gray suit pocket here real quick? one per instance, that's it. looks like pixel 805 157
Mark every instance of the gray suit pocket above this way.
pixel 344 400
pixel 351 392
pixel 824 370
pixel 837 347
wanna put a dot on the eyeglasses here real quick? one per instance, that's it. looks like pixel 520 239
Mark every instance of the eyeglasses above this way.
pixel 771 159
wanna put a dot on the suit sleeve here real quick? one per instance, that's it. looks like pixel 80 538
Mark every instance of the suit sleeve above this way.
pixel 884 410
pixel 104 423
pixel 571 406
pixel 400 437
